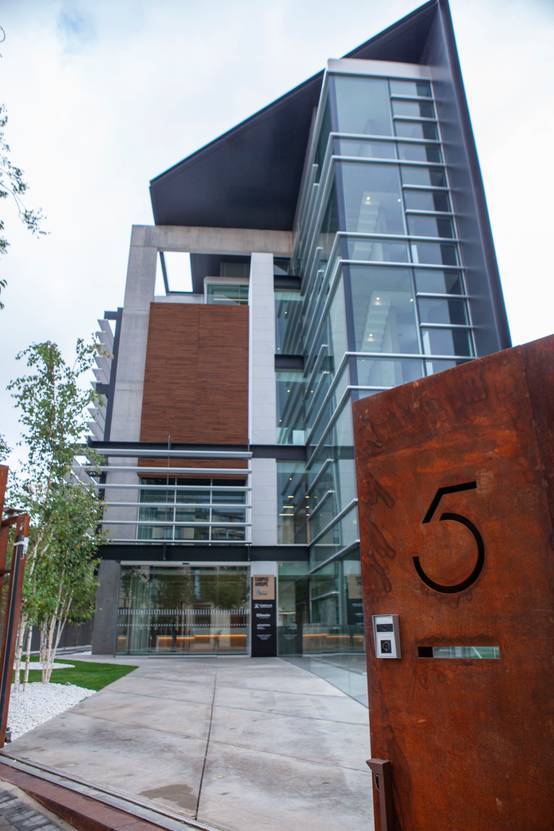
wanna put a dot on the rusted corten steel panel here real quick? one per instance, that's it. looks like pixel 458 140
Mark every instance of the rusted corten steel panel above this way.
pixel 196 374
pixel 3 531
pixel 470 741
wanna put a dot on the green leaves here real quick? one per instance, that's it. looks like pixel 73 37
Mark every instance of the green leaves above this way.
pixel 52 398
pixel 52 402
pixel 13 185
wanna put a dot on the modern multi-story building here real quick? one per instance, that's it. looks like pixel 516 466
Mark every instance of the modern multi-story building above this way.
pixel 339 245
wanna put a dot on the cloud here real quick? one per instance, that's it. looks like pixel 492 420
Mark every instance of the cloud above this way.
pixel 75 28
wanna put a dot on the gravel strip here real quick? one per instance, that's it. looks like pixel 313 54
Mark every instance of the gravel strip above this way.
pixel 41 702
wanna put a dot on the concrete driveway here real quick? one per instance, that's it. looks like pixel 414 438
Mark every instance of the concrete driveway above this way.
pixel 239 744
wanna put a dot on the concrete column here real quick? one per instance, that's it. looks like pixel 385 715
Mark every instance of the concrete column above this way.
pixel 129 382
pixel 264 501
pixel 104 630
pixel 264 567
pixel 262 404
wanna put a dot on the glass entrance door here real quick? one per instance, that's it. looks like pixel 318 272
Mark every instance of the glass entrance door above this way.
pixel 186 610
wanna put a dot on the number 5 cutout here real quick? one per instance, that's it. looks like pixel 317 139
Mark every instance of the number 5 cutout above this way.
pixel 463 520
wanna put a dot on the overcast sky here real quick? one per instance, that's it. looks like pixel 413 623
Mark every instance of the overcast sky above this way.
pixel 102 95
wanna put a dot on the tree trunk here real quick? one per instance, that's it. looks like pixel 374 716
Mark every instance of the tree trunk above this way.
pixel 27 656
pixel 19 650
pixel 48 660
pixel 43 651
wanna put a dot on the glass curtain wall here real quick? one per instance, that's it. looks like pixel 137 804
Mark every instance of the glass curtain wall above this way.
pixel 176 509
pixel 190 610
pixel 384 302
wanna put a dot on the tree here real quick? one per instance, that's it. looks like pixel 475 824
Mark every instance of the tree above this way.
pixel 59 577
pixel 12 184
pixel 62 587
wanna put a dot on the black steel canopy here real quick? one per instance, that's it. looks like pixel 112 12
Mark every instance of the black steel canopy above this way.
pixel 250 176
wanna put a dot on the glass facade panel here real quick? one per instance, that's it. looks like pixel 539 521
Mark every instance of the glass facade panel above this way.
pixel 419 152
pixel 435 310
pixel 183 609
pixel 447 341
pixel 376 249
pixel 191 534
pixel 365 149
pixel 387 372
pixel 324 595
pixel 231 496
pixel 321 146
pixel 416 129
pixel 363 105
pixel 421 89
pixel 439 282
pixel 192 514
pixel 383 309
pixel 372 201
pixel 329 227
pixel 343 533
pixel 190 509
pixel 430 226
pixel 413 109
pixel 432 177
pixel 427 200
pixel 234 293
pixel 432 253
pixel 228 514
pixel 188 495
pixel 439 365
pixel 291 503
pixel 288 322
pixel 363 287
pixel 290 407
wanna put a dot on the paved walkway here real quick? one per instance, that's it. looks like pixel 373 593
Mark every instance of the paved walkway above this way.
pixel 18 812
pixel 236 743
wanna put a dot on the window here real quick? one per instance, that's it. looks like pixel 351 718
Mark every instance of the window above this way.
pixel 415 88
pixel 413 109
pixel 229 293
pixel 365 149
pixel 363 105
pixel 291 503
pixel 387 372
pixel 446 341
pixel 416 129
pixel 290 407
pixel 423 176
pixel 426 200
pixel 430 226
pixel 439 282
pixel 372 201
pixel 420 152
pixel 384 310
pixel 192 509
pixel 435 310
pixel 434 253
pixel 288 322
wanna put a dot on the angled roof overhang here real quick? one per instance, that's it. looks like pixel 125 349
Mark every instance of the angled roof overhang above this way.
pixel 250 176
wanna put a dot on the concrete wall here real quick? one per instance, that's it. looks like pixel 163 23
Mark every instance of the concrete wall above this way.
pixel 107 601
pixel 264 501
pixel 262 405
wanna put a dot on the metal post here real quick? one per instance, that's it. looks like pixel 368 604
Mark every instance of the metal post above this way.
pixel 381 772
pixel 12 604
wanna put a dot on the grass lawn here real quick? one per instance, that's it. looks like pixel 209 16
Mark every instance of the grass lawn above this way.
pixel 86 674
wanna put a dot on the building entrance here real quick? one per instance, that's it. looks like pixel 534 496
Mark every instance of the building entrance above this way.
pixel 185 610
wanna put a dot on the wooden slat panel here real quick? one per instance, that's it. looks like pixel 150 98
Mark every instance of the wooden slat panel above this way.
pixel 196 375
